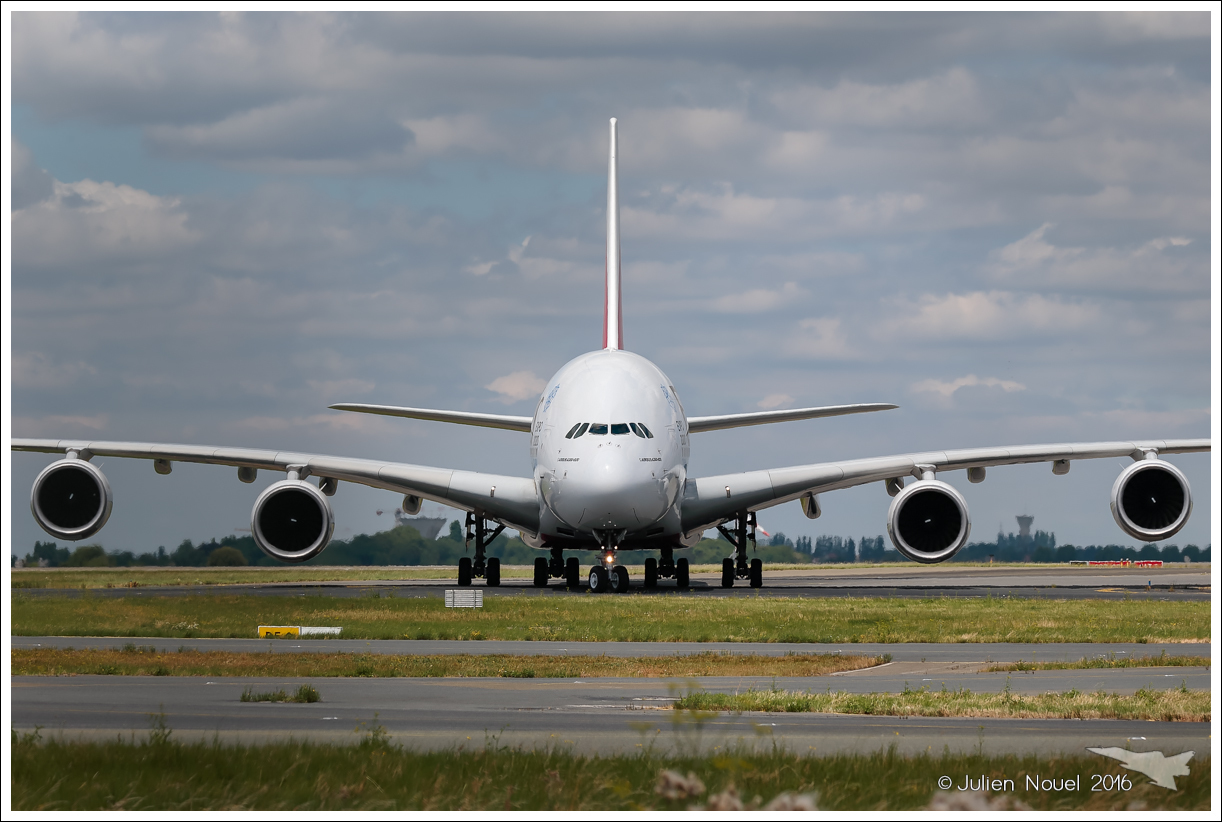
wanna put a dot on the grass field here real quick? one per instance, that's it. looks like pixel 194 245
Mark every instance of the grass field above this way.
pixel 601 618
pixel 157 576
pixel 144 661
pixel 376 774
pixel 1163 660
pixel 1174 705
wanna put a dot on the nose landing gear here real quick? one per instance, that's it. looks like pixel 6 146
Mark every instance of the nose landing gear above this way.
pixel 737 567
pixel 481 566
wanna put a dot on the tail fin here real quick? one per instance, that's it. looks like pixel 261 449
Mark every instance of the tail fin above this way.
pixel 613 314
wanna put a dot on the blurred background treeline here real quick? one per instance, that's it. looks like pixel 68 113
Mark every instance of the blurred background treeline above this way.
pixel 404 545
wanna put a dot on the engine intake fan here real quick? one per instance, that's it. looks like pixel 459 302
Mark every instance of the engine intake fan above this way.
pixel 1151 500
pixel 292 521
pixel 71 499
pixel 928 521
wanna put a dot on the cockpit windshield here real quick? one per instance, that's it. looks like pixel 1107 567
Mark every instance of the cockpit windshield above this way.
pixel 616 428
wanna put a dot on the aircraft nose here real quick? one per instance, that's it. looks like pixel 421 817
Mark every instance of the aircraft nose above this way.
pixel 608 490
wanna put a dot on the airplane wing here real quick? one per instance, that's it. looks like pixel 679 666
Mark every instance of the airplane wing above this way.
pixel 695 424
pixel 461 417
pixel 711 501
pixel 510 500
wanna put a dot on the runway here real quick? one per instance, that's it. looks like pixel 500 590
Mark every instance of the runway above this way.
pixel 1178 582
pixel 596 716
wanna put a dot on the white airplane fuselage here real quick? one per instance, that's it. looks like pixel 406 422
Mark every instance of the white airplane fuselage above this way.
pixel 609 449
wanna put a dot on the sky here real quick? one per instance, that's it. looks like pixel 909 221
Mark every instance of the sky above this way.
pixel 223 223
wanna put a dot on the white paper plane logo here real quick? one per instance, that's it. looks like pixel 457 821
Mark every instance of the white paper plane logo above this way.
pixel 1162 770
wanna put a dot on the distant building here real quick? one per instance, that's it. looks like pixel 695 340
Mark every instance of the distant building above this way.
pixel 1024 525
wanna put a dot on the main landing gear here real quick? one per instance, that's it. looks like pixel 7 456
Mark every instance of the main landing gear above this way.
pixel 737 567
pixel 667 568
pixel 487 568
pixel 557 566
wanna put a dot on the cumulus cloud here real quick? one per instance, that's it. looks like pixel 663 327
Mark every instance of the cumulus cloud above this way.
pixel 31 184
pixel 1033 260
pixel 757 300
pixel 88 222
pixel 819 338
pixel 518 386
pixel 948 388
pixel 988 315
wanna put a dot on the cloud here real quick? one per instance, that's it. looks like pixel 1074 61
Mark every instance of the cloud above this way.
pixel 60 426
pixel 947 389
pixel 31 184
pixel 89 223
pixel 991 315
pixel 35 369
pixel 774 401
pixel 518 386
pixel 1033 260
pixel 818 338
pixel 757 300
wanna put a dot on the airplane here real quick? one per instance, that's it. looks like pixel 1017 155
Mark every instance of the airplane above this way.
pixel 609 447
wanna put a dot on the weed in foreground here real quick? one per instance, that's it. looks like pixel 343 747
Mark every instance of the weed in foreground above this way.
pixel 379 775
pixel 304 693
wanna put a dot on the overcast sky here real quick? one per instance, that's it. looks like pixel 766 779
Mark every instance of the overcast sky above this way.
pixel 222 223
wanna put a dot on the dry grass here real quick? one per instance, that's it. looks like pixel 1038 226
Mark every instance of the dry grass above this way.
pixel 1163 660
pixel 147 661
pixel 624 618
pixel 1176 705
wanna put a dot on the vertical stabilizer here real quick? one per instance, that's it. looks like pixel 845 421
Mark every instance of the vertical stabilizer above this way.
pixel 613 314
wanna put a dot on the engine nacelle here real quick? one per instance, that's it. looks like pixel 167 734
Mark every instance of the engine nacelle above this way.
pixel 928 521
pixel 71 499
pixel 1151 500
pixel 292 521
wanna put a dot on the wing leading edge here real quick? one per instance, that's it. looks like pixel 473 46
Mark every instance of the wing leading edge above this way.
pixel 509 500
pixel 710 501
pixel 505 421
pixel 696 424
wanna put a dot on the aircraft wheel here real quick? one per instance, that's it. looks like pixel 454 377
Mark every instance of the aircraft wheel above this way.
pixel 757 573
pixel 572 573
pixel 541 572
pixel 619 579
pixel 492 576
pixel 727 573
pixel 681 574
pixel 464 572
pixel 600 580
pixel 651 573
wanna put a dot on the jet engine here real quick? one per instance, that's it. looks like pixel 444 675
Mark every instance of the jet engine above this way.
pixel 1151 500
pixel 928 521
pixel 292 521
pixel 71 499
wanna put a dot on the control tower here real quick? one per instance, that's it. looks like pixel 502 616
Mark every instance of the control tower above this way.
pixel 1024 525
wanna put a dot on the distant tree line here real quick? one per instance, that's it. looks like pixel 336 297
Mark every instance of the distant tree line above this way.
pixel 405 546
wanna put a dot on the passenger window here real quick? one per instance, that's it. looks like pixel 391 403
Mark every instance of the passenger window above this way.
pixel 619 428
pixel 598 428
pixel 584 426
pixel 648 433
pixel 572 431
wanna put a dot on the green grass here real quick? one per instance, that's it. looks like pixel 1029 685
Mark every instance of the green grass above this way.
pixel 146 661
pixel 1174 705
pixel 304 693
pixel 1163 660
pixel 141 577
pixel 633 618
pixel 161 773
